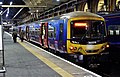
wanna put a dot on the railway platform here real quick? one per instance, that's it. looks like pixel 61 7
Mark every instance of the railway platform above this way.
pixel 23 59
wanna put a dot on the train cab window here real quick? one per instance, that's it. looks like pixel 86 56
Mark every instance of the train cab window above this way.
pixel 78 29
pixel 97 28
pixel 87 29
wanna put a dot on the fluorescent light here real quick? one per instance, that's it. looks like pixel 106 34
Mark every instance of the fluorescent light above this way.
pixel 6 15
pixel 36 10
pixel 1 12
pixel 58 0
pixel 8 11
pixel 11 3
pixel 4 23
pixel 1 3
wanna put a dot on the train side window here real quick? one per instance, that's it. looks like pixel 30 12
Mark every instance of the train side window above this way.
pixel 61 31
pixel 51 31
pixel 111 32
pixel 54 32
pixel 117 32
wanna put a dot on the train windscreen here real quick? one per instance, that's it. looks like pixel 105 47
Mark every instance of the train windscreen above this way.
pixel 88 29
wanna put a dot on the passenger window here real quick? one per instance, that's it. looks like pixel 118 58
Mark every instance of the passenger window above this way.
pixel 54 32
pixel 61 31
pixel 117 32
pixel 51 31
pixel 111 32
pixel 114 29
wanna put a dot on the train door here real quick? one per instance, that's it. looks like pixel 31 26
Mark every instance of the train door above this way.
pixel 51 35
pixel 27 33
pixel 61 36
pixel 44 34
pixel 40 35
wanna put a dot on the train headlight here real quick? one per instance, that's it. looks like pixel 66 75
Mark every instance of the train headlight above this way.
pixel 72 48
pixel 107 46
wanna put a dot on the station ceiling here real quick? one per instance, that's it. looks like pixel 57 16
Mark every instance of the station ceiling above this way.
pixel 19 9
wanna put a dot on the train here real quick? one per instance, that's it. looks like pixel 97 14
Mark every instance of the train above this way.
pixel 113 29
pixel 75 33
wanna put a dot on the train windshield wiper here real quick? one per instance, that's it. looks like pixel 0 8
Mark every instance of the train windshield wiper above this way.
pixel 84 36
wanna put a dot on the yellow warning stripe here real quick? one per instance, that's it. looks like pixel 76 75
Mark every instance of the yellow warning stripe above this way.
pixel 59 70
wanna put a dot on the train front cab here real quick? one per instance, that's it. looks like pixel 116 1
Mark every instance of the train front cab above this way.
pixel 87 37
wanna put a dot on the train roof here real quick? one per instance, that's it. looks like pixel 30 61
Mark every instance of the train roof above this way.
pixel 80 14
pixel 111 14
pixel 72 15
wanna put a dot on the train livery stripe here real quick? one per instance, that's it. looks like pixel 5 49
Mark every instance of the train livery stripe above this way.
pixel 59 70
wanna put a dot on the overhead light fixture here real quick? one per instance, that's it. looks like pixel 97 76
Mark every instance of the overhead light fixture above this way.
pixel 4 23
pixel 57 0
pixel 8 9
pixel 31 13
pixel 7 15
pixel 1 3
pixel 11 3
pixel 1 12
pixel 36 10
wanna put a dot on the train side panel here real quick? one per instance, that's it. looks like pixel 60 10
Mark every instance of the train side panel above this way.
pixel 57 35
pixel 61 36
pixel 65 35
pixel 34 29
pixel 113 28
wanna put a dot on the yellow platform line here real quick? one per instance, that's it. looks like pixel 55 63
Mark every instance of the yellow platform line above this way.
pixel 53 66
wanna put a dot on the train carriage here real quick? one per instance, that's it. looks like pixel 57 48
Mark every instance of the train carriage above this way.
pixel 56 40
pixel 113 28
pixel 81 33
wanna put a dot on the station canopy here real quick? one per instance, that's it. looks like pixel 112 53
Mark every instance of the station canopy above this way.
pixel 19 9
